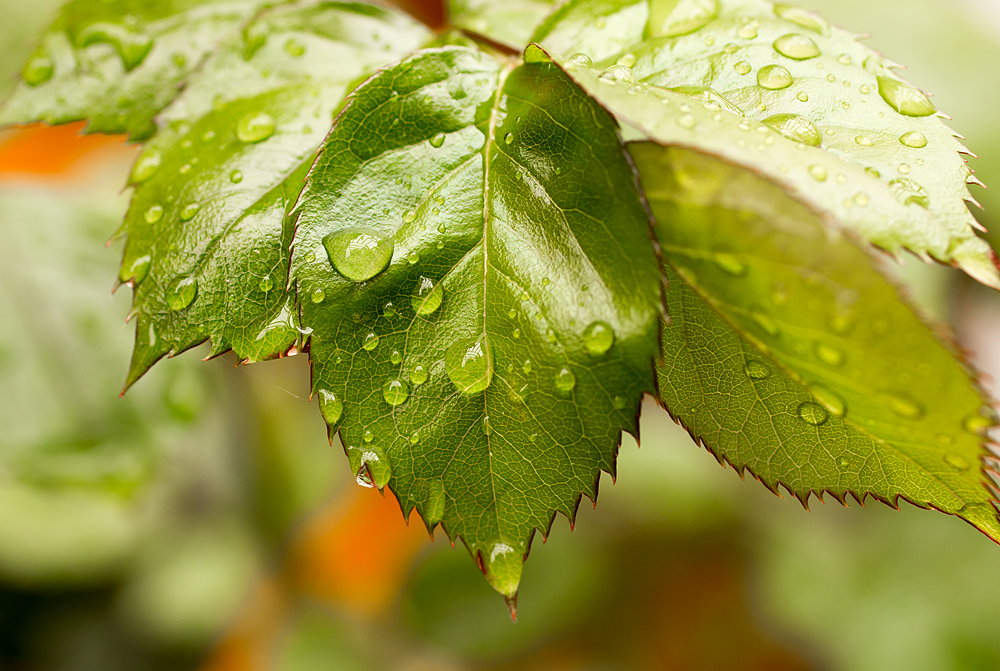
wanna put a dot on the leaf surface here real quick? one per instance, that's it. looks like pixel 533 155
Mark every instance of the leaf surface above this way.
pixel 118 63
pixel 788 354
pixel 867 132
pixel 511 23
pixel 208 236
pixel 504 323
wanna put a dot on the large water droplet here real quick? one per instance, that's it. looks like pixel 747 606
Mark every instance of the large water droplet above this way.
pixel 618 73
pixel 145 166
pixel 370 342
pixel 437 141
pixel 427 297
pixel 330 406
pixel 182 292
pixel 796 127
pixel 757 370
pixel 359 254
pixel 153 214
pixel 908 192
pixel 774 77
pixel 418 375
pixel 396 357
pixel 503 566
pixel 395 392
pixel 38 70
pixel 131 47
pixel 565 381
pixel 470 365
pixel 903 405
pixel 913 139
pixel 135 271
pixel 255 127
pixel 801 17
pixel 904 98
pixel 598 337
pixel 375 461
pixel 813 413
pixel 797 47
pixel 583 60
pixel 433 510
pixel 671 18
pixel 830 400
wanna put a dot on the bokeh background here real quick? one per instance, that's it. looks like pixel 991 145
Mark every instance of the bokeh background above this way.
pixel 204 522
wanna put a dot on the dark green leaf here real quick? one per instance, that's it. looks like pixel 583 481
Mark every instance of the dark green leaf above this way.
pixel 507 328
pixel 790 356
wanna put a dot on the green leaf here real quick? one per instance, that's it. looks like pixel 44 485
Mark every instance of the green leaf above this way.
pixel 790 356
pixel 118 63
pixel 507 325
pixel 208 236
pixel 880 139
pixel 510 23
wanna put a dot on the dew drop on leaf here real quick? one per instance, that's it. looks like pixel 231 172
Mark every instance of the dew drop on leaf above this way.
pixel 389 310
pixel 863 141
pixel 145 166
pixel 469 366
pixel 368 436
pixel 437 141
pixel 255 127
pixel 828 355
pixel 503 566
pixel 370 342
pixel 330 406
pixel 730 264
pixel 748 31
pixel 137 270
pixel 190 211
pixel 487 427
pixel 395 357
pixel 265 284
pixel 818 173
pixel 904 98
pixel 598 337
pixel 318 296
pixel 132 47
pixel 395 392
pixel 426 297
pixel 359 254
pixel 377 463
pixel 619 402
pixel 672 18
pixel 743 67
pixel 508 138
pixel 757 370
pixel 830 400
pixel 913 139
pixel 565 381
pixel 418 375
pixel 813 413
pixel 182 292
pixel 956 462
pixel 903 405
pixel 154 214
pixel 802 96
pixel 526 366
pixel 294 48
pixel 38 70
pixel 236 176
pixel 797 47
pixel 583 60
pixel 618 73
pixel 434 508
pixel 774 77
pixel 908 192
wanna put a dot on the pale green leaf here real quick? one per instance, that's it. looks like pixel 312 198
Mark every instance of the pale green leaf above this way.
pixel 510 23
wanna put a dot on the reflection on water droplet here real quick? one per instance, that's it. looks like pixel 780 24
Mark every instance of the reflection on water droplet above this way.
pixel 818 173
pixel 331 406
pixel 598 337
pixel 38 70
pixel 154 214
pixel 908 192
pixel 318 296
pixel 618 73
pixel 903 405
pixel 182 292
pixel 370 342
pixel 236 176
pixel 526 366
pixel 190 211
pixel 265 283
pixel 797 47
pixel 956 461
pixel 672 18
pixel 913 139
pixel 427 297
pixel 813 413
pixel 395 357
pixel 359 254
pixel 743 68
pixel 438 140
pixel 774 77
pixel 904 98
pixel 364 479
pixel 864 141
pixel 418 375
pixel 470 365
pixel 145 166
pixel 255 127
pixel 796 127
pixel 830 400
pixel 395 392
pixel 802 96
pixel 389 310
pixel 757 370
pixel 583 60
pixel 565 381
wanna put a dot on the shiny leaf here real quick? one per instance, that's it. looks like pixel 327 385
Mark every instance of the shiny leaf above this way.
pixel 509 23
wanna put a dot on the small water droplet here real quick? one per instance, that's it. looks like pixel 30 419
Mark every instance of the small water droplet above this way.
pixel 812 413
pixel 364 479
pixel 583 60
pixel 437 141
pixel 796 127
pixel 828 355
pixel 686 121
pixel 255 127
pixel 802 96
pixel 135 271
pixel 598 338
pixel 294 48
pixel 395 357
pixel 145 166
pixel 843 462
pixel 757 370
pixel 618 73
pixel 864 141
pixel 190 211
pixel 818 173
pixel 978 423
pixel 956 462
pixel 908 192
pixel 427 297
pixel 833 403
pixel 904 98
pixel 765 322
pixel 182 292
pixel 487 427
pixel 330 406
pixel 470 366
pixel 748 31
pixel 418 375
pixel 359 254
pixel 913 139
pixel 774 77
pixel 903 405
pixel 673 18
pixel 38 70
pixel 265 284
pixel 389 310
pixel 565 381
pixel 797 47
pixel 743 68
pixel 368 436
pixel 154 214
pixel 370 342
pixel 318 296
pixel 236 176
pixel 395 392
pixel 526 366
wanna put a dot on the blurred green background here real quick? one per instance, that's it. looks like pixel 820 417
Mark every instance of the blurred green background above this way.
pixel 204 522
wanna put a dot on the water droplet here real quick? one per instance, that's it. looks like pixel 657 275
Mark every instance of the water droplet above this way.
pixel 434 508
pixel 470 366
pixel 843 462
pixel 503 566
pixel 516 334
pixel 369 436
pixel 956 461
pixel 769 325
pixel 294 48
pixel 743 68
pixel 38 70
pixel 748 31
pixel 370 342
pixel 908 192
pixel 526 366
pixel 487 427
pixel 864 141
pixel 154 214
pixel 914 139
pixel 438 140
pixel 364 479
pixel 583 60
pixel 310 257
pixel 376 463
pixel 818 173
pixel 359 254
pixel 413 258
pixel 389 310
pixel 598 338
pixel 418 375
pixel 265 284
pixel 132 47
pixel 414 438
pixel 395 392
pixel 427 297
pixel 565 381
pixel 797 47
pixel 508 138
pixel 255 127
pixel 828 355
pixel 628 60
pixel 802 96
pixel 796 127
pixel 903 405
pixel 330 406
pixel 618 73
pixel 671 18
pixel 904 98
pixel 236 176
pixel 831 78
pixel 686 121
pixel 978 423
pixel 395 357
pixel 813 413
pixel 865 89
pixel 830 400
pixel 182 292
pixel 757 370
pixel 318 296
pixel 145 166
pixel 774 77
pixel 135 271
pixel 844 59
pixel 190 211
